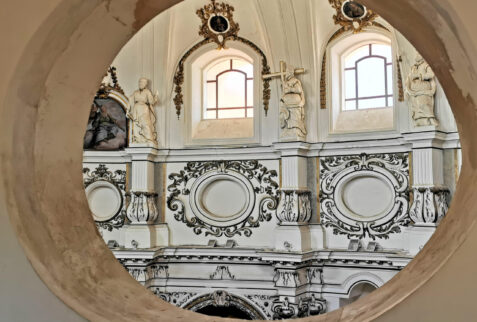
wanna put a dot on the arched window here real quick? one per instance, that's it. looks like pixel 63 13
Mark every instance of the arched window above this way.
pixel 368 77
pixel 229 89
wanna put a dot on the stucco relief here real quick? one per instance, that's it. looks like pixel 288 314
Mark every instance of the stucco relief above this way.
pixel 188 189
pixel 340 194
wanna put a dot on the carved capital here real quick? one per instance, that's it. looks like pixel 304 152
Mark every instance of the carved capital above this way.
pixel 142 207
pixel 294 206
pixel 430 205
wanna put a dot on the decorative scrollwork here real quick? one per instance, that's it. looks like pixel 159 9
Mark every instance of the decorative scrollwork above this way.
pixel 261 179
pixel 218 22
pixel 393 168
pixel 105 88
pixel 118 179
pixel 351 15
pixel 224 299
pixel 224 12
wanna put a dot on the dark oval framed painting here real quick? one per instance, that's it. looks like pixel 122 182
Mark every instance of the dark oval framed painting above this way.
pixel 353 10
pixel 219 24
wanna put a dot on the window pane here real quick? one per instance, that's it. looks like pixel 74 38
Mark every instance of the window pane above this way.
pixel 382 50
pixel 350 84
pixel 210 115
pixel 211 93
pixel 218 68
pixel 350 105
pixel 244 66
pixel 227 114
pixel 249 112
pixel 390 79
pixel 372 103
pixel 371 81
pixel 250 93
pixel 359 53
pixel 231 89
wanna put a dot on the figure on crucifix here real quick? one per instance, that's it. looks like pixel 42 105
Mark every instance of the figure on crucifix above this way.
pixel 292 107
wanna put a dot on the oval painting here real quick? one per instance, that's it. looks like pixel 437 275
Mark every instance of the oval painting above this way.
pixel 219 24
pixel 353 10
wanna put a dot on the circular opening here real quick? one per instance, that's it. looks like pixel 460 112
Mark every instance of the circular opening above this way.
pixel 376 309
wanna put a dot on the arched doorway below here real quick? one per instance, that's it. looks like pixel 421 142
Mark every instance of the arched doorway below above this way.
pixel 224 312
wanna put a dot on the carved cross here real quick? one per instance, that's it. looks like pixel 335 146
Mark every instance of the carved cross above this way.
pixel 283 71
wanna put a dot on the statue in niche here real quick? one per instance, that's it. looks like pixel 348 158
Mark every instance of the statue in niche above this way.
pixel 292 107
pixel 420 90
pixel 106 128
pixel 142 115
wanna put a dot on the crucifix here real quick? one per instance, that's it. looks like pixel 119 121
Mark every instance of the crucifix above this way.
pixel 283 71
pixel 292 107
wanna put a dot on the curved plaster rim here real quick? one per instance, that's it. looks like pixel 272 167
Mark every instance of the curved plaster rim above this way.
pixel 54 225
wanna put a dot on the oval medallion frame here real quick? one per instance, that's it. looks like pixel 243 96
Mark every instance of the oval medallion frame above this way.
pixel 117 205
pixel 199 209
pixel 365 10
pixel 350 174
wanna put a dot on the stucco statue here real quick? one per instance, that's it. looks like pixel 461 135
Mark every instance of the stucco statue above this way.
pixel 420 91
pixel 292 110
pixel 142 115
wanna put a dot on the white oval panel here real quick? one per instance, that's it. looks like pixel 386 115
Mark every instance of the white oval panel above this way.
pixel 224 198
pixel 104 200
pixel 367 196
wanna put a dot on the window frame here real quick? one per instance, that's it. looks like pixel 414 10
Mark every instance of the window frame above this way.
pixel 389 98
pixel 205 81
pixel 330 126
pixel 194 88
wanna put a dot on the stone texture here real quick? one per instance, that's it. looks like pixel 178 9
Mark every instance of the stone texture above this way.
pixel 41 143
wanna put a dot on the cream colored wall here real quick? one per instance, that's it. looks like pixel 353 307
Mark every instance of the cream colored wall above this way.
pixel 284 30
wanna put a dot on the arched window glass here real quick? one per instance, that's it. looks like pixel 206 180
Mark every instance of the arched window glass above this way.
pixel 229 89
pixel 368 75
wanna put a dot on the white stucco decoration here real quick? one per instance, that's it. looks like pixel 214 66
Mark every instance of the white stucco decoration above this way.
pixel 420 90
pixel 104 200
pixel 142 115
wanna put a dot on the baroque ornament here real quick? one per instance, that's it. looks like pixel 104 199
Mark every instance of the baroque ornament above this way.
pixel 261 179
pixel 109 83
pixel 218 23
pixel 351 15
pixel 430 205
pixel 118 179
pixel 142 207
pixel 142 115
pixel 420 89
pixel 222 273
pixel 292 107
pixel 224 299
pixel 294 206
pixel 391 169
pixel 218 26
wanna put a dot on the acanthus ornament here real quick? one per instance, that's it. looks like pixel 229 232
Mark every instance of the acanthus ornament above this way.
pixel 142 207
pixel 430 205
pixel 261 179
pixel 222 273
pixel 118 179
pixel 294 206
pixel 175 298
pixel 391 169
